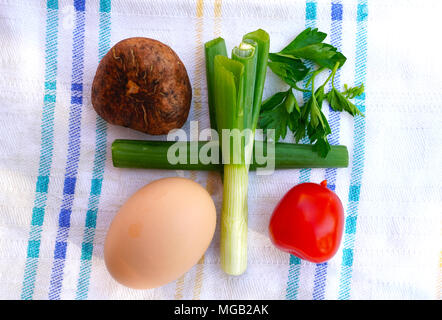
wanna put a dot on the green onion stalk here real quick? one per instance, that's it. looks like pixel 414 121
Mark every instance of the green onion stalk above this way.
pixel 235 90
pixel 145 154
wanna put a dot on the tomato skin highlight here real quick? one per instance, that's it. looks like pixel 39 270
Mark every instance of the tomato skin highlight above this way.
pixel 308 222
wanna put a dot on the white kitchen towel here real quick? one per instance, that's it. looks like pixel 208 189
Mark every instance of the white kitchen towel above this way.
pixel 59 190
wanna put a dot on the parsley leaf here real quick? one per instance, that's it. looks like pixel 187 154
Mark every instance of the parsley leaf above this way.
pixel 273 101
pixel 290 103
pixel 322 146
pixel 298 126
pixel 353 92
pixel 288 69
pixel 308 45
pixel 274 115
pixel 310 119
pixel 339 102
pixel 317 127
pixel 282 109
pixel 305 38
pixel 325 55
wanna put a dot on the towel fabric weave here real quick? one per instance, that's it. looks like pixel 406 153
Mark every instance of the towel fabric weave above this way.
pixel 59 191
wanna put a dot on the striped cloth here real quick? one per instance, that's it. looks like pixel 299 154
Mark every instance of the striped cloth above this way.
pixel 59 191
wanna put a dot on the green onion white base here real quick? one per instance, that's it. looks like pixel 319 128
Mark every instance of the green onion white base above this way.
pixel 234 220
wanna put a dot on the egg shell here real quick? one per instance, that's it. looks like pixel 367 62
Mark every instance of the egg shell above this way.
pixel 160 233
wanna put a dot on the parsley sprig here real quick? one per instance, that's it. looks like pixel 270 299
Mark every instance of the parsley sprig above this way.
pixel 282 110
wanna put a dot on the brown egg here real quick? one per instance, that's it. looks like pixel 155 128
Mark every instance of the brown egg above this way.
pixel 160 233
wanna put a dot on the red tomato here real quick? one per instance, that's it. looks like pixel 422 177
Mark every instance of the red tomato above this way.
pixel 308 222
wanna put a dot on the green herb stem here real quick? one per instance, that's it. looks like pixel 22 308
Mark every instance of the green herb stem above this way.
pixel 300 89
pixel 333 75
pixel 145 154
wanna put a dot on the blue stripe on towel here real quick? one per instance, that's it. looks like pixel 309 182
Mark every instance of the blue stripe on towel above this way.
pixel 46 150
pixel 333 121
pixel 358 156
pixel 87 246
pixel 73 154
pixel 304 175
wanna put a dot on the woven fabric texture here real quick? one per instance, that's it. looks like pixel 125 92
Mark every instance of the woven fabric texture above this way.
pixel 59 191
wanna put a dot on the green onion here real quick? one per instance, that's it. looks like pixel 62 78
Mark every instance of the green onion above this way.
pixel 262 40
pixel 153 155
pixel 215 47
pixel 229 95
pixel 245 53
pixel 237 96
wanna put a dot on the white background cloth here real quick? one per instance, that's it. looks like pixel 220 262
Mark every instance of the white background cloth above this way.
pixel 397 241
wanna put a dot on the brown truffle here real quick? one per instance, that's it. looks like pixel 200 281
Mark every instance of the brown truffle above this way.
pixel 142 84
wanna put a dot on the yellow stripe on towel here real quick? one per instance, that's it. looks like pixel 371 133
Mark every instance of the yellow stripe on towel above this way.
pixel 211 176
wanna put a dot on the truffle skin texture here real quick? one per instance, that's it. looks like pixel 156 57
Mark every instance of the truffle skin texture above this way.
pixel 142 84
